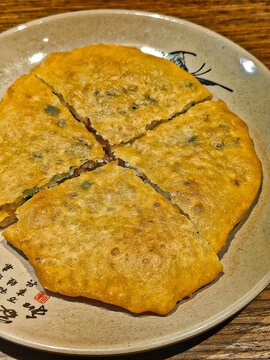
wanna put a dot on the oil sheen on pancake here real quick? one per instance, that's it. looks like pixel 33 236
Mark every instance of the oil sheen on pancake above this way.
pixel 108 236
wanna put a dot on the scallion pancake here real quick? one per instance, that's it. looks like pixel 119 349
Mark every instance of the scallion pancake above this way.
pixel 40 141
pixel 120 89
pixel 205 160
pixel 108 236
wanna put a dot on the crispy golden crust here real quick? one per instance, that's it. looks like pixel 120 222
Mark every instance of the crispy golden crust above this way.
pixel 7 213
pixel 206 160
pixel 120 89
pixel 108 236
pixel 6 218
pixel 39 139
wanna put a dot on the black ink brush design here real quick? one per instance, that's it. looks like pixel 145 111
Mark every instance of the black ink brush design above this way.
pixel 178 58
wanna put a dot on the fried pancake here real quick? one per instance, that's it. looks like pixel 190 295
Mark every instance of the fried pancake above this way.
pixel 108 236
pixel 206 160
pixel 121 90
pixel 41 143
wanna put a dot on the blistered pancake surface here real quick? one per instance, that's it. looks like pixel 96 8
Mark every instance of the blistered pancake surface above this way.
pixel 121 90
pixel 39 139
pixel 108 236
pixel 206 160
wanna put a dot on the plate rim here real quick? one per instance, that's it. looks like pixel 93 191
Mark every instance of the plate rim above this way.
pixel 194 330
pixel 161 16
pixel 153 344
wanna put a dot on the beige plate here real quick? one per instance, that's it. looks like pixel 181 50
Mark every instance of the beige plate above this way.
pixel 87 327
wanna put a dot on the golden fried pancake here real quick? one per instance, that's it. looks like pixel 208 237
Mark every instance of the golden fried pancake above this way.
pixel 40 143
pixel 121 90
pixel 206 160
pixel 108 236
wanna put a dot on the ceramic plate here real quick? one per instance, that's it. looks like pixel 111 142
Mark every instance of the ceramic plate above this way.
pixel 31 316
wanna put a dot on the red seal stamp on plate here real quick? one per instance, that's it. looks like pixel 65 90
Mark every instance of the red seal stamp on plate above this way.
pixel 42 297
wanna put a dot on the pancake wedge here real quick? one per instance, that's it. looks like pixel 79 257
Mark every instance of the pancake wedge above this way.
pixel 108 236
pixel 121 90
pixel 40 143
pixel 206 160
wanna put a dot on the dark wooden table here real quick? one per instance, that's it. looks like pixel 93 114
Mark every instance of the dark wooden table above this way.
pixel 246 22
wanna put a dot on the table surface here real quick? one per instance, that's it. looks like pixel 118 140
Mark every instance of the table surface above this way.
pixel 247 23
